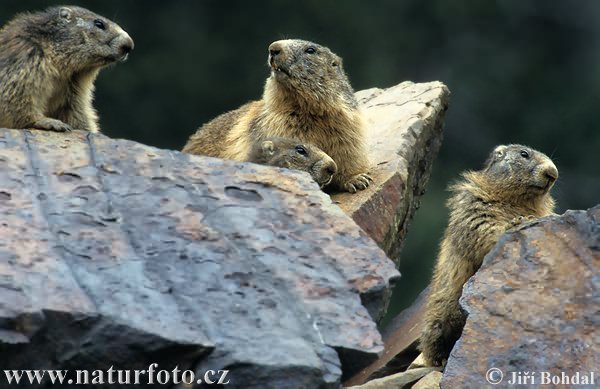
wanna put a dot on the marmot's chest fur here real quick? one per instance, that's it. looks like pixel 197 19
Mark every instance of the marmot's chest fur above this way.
pixel 307 97
pixel 513 187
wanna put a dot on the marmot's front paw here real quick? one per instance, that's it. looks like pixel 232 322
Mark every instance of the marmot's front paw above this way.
pixel 520 220
pixel 358 182
pixel 50 124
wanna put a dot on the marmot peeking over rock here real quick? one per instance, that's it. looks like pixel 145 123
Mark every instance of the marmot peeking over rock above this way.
pixel 48 64
pixel 512 187
pixel 307 97
pixel 292 154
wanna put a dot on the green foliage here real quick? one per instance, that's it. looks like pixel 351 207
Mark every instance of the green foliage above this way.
pixel 519 71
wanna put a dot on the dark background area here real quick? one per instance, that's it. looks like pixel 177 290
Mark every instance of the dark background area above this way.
pixel 519 72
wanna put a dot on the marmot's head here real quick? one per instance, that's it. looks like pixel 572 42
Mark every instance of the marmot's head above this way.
pixel 293 154
pixel 80 38
pixel 521 170
pixel 310 71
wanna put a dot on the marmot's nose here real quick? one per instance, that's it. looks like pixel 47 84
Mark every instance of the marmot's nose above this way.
pixel 551 173
pixel 275 48
pixel 331 168
pixel 127 45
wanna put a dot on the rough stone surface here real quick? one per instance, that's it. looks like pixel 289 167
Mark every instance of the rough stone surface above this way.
pixel 400 343
pixel 534 306
pixel 405 124
pixel 397 381
pixel 115 253
pixel 430 381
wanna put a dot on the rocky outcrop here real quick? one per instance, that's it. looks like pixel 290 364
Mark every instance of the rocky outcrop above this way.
pixel 117 254
pixel 533 308
pixel 405 124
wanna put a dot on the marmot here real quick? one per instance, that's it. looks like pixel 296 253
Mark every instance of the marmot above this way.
pixel 293 154
pixel 307 97
pixel 48 63
pixel 512 187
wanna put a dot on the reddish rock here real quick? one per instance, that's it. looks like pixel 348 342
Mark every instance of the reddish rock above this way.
pixel 405 124
pixel 534 306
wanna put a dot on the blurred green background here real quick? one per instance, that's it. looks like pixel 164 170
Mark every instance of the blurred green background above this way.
pixel 519 71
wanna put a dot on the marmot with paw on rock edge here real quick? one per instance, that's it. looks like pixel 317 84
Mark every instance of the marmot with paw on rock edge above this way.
pixel 48 64
pixel 307 97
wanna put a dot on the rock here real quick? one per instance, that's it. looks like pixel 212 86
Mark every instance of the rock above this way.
pixel 430 381
pixel 117 254
pixel 400 344
pixel 534 305
pixel 398 380
pixel 418 362
pixel 405 125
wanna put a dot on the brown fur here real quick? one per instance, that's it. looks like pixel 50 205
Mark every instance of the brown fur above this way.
pixel 293 154
pixel 307 97
pixel 484 204
pixel 48 64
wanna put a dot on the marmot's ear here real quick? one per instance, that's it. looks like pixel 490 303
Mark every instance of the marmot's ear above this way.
pixel 65 13
pixel 499 152
pixel 337 61
pixel 268 147
pixel 495 156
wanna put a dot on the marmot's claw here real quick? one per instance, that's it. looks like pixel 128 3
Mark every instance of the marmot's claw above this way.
pixel 520 220
pixel 358 182
pixel 50 124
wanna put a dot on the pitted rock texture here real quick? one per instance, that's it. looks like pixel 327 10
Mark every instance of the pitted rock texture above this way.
pixel 534 306
pixel 117 254
pixel 405 130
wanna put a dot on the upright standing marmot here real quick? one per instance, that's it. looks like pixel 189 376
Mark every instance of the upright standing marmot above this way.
pixel 513 186
pixel 48 63
pixel 307 97
pixel 292 154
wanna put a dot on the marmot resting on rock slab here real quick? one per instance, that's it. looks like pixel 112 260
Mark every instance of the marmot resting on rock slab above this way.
pixel 512 187
pixel 293 154
pixel 307 97
pixel 49 61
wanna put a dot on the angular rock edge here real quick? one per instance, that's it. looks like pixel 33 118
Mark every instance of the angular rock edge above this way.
pixel 405 131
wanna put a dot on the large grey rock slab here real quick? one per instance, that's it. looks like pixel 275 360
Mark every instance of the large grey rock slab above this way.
pixel 534 307
pixel 405 130
pixel 117 254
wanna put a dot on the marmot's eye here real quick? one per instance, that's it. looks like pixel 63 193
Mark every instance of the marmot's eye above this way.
pixel 300 150
pixel 100 24
pixel 310 50
pixel 524 154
